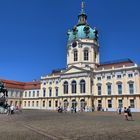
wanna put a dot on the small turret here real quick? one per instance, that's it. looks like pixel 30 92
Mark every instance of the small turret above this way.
pixel 82 18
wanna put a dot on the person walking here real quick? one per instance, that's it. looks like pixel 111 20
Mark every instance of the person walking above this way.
pixel 125 113
pixel 8 110
pixel 12 109
pixel 120 110
pixel 129 113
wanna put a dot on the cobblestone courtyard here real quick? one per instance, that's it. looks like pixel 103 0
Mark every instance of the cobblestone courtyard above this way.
pixel 45 125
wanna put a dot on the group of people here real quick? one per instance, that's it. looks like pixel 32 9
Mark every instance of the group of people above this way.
pixel 12 109
pixel 60 109
pixel 127 113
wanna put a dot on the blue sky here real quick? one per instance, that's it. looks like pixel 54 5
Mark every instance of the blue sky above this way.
pixel 30 30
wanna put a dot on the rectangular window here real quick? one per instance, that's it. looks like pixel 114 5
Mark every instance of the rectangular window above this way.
pixel 85 54
pixel 49 103
pixel 99 89
pixel 109 103
pixel 44 92
pixel 50 92
pixel 56 103
pixel 132 103
pixel 119 88
pixel 29 93
pixel 25 94
pixel 109 89
pixel 99 105
pixel 16 95
pixel 75 55
pixel 37 93
pixel 33 93
pixel 56 91
pixel 131 88
pixel 120 103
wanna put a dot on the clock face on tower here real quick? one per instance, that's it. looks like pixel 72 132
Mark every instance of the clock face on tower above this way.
pixel 74 44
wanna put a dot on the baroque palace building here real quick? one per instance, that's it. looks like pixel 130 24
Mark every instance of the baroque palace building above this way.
pixel 85 82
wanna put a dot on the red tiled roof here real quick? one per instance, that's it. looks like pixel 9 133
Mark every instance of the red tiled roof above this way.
pixel 32 85
pixel 21 85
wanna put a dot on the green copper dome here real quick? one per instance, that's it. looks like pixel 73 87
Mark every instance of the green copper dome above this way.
pixel 82 30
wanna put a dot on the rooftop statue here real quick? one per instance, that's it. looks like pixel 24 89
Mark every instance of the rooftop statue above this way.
pixel 96 33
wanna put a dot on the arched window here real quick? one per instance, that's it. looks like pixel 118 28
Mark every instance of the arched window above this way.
pixel 43 103
pixel 28 103
pixel 74 104
pixel 65 87
pixel 65 103
pixel 82 104
pixel 50 91
pixel 56 91
pixel 73 85
pixel 44 92
pixel 75 54
pixel 86 54
pixel 82 86
pixel 32 103
pixel 37 103
pixel 24 103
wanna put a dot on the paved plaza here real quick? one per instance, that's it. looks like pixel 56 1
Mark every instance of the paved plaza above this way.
pixel 47 125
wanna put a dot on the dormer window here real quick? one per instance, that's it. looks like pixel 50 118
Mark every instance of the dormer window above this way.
pixel 98 78
pixel 130 75
pixel 119 76
pixel 108 77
